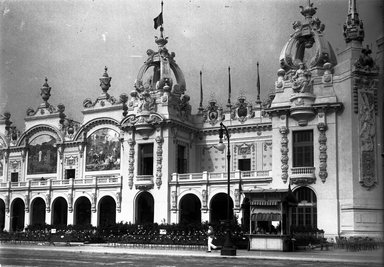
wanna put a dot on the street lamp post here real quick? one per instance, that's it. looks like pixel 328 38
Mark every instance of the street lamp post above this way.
pixel 228 248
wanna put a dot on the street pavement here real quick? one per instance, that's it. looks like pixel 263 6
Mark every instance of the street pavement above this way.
pixel 333 255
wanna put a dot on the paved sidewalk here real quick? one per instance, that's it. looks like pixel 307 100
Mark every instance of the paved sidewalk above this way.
pixel 332 255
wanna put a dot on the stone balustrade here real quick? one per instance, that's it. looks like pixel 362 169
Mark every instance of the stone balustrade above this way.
pixel 220 176
pixel 89 181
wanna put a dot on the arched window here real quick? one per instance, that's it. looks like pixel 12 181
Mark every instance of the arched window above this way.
pixel 305 214
pixel 42 155
pixel 103 151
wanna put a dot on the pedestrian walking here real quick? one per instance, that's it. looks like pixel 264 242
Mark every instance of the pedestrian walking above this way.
pixel 211 236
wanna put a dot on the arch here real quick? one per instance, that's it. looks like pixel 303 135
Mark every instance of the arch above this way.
pixel 40 128
pixel 93 123
pixel 2 215
pixel 17 215
pixel 59 211
pixel 305 214
pixel 190 209
pixel 218 206
pixel 145 207
pixel 82 215
pixel 37 211
pixel 107 211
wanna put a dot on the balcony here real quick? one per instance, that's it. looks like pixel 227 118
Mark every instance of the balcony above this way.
pixel 218 177
pixel 303 175
pixel 144 182
pixel 87 182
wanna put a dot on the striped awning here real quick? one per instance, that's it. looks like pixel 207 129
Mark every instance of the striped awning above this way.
pixel 265 202
pixel 266 217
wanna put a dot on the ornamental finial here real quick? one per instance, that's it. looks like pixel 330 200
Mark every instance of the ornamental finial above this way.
pixel 353 27
pixel 45 91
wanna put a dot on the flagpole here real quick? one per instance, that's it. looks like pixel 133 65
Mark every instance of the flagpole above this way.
pixel 161 26
pixel 258 101
pixel 201 91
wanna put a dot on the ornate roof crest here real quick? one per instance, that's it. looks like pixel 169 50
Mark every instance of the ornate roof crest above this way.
pixel 242 110
pixel 213 113
pixel 307 44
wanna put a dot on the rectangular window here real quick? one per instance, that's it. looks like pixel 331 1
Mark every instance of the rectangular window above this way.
pixel 70 173
pixel 14 177
pixel 182 166
pixel 303 148
pixel 244 164
pixel 145 161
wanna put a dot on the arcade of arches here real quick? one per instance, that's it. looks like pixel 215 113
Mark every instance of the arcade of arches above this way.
pixel 305 214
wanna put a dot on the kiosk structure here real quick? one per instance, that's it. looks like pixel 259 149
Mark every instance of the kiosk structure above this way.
pixel 270 220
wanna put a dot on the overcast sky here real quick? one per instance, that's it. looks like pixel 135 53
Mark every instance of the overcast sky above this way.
pixel 70 42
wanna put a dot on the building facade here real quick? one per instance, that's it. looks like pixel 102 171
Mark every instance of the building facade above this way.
pixel 144 157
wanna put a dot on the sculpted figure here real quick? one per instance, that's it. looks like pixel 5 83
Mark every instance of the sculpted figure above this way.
pixel 302 80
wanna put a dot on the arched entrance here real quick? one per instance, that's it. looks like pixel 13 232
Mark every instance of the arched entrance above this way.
pixel 219 208
pixel 82 211
pixel 59 211
pixel 17 215
pixel 38 211
pixel 145 208
pixel 107 211
pixel 305 214
pixel 2 215
pixel 190 209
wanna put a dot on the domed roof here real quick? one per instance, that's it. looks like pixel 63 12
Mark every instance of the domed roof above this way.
pixel 160 71
pixel 307 44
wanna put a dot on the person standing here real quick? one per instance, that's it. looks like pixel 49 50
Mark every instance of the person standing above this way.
pixel 210 239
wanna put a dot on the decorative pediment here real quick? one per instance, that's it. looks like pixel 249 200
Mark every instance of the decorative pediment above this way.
pixel 45 108
pixel 105 100
pixel 144 124
pixel 244 149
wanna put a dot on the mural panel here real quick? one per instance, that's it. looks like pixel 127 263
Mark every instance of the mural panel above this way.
pixel 103 151
pixel 42 156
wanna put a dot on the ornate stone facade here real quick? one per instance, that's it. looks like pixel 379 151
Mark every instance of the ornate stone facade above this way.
pixel 123 160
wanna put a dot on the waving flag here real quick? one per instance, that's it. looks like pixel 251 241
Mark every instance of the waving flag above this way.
pixel 158 20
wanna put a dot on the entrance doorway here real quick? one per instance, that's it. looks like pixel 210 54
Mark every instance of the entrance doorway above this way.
pixel 190 209
pixel 38 211
pixel 82 211
pixel 219 208
pixel 17 215
pixel 107 211
pixel 145 208
pixel 59 211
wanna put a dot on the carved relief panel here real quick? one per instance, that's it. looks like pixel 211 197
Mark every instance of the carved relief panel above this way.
pixel 244 152
pixel 267 155
pixel 212 160
pixel 14 170
pixel 367 135
pixel 71 166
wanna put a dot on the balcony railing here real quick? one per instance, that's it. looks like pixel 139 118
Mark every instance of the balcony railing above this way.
pixel 99 181
pixel 303 175
pixel 220 176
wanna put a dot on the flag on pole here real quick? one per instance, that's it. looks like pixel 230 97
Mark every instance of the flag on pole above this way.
pixel 158 20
